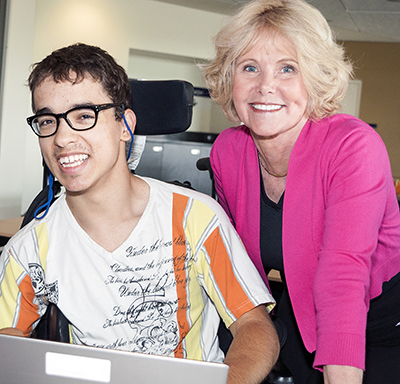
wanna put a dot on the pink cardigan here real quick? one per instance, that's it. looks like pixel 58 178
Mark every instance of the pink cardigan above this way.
pixel 341 226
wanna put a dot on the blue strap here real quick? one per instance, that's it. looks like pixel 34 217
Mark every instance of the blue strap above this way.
pixel 49 200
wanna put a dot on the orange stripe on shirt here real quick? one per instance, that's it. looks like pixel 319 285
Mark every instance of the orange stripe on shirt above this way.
pixel 29 311
pixel 236 299
pixel 179 255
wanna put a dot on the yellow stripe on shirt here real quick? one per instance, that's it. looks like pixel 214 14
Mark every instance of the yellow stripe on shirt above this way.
pixel 9 292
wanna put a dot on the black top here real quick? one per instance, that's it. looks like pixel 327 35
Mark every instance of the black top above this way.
pixel 271 232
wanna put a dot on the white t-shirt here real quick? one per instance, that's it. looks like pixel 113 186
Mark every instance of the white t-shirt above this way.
pixel 161 292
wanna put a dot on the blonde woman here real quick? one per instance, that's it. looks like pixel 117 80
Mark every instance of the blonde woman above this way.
pixel 309 191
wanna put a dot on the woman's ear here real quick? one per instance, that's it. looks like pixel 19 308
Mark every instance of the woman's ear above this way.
pixel 130 120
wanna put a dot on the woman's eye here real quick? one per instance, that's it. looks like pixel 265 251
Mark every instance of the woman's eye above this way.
pixel 288 69
pixel 250 68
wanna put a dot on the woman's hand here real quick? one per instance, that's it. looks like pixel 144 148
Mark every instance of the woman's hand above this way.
pixel 342 374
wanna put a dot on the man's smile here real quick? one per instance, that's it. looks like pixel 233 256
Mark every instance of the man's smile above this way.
pixel 72 161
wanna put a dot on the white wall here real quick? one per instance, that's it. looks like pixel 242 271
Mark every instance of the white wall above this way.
pixel 37 27
pixel 15 150
pixel 118 25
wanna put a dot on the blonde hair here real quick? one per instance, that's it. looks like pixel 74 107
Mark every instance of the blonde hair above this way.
pixel 323 66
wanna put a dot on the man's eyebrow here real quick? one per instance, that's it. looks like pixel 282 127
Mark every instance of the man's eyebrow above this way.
pixel 43 110
pixel 49 110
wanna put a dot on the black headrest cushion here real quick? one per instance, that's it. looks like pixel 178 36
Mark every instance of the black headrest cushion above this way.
pixel 162 106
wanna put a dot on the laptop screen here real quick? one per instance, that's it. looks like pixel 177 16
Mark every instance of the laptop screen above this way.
pixel 24 360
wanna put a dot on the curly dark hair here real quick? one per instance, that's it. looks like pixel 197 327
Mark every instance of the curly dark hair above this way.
pixel 75 62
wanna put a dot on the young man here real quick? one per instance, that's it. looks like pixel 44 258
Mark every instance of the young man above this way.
pixel 133 263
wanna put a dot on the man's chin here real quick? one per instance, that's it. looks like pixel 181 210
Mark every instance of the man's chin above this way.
pixel 74 193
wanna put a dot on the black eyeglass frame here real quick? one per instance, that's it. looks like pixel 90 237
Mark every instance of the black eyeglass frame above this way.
pixel 95 108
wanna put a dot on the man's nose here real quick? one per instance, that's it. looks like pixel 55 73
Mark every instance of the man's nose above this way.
pixel 65 134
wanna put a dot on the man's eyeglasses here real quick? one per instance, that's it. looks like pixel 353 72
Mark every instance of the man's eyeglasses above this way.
pixel 79 118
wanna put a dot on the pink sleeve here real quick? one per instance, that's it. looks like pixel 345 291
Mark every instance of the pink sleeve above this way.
pixel 357 191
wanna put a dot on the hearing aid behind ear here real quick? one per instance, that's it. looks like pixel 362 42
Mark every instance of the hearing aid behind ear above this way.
pixel 132 137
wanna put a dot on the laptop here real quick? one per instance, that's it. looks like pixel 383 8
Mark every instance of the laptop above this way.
pixel 31 361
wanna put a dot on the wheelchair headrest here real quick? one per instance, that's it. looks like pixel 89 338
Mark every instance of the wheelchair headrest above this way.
pixel 161 106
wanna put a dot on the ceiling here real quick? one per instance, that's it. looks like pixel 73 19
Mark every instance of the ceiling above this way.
pixel 352 20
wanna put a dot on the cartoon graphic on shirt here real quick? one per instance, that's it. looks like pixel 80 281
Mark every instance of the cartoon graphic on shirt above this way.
pixel 45 293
